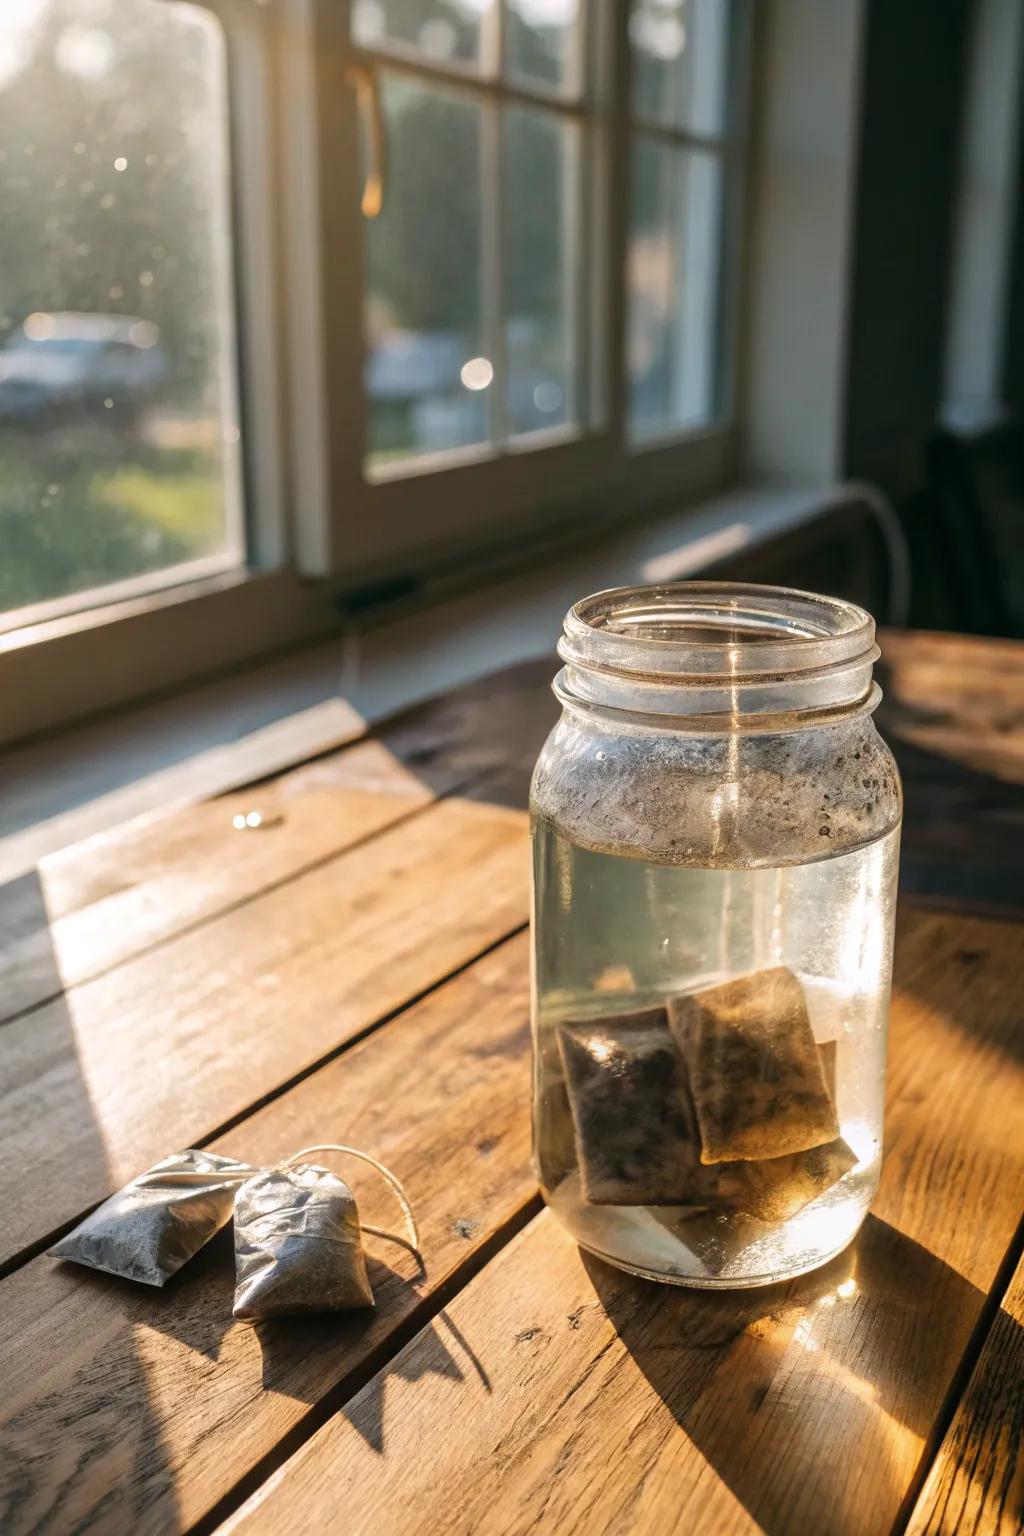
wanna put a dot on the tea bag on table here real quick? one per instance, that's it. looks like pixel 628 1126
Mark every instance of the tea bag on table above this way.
pixel 155 1224
pixel 635 1140
pixel 298 1239
pixel 753 1067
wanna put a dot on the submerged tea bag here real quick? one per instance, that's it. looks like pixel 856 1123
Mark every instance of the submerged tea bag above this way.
pixel 298 1240
pixel 778 1187
pixel 828 1052
pixel 754 1071
pixel 554 1142
pixel 635 1139
pixel 149 1229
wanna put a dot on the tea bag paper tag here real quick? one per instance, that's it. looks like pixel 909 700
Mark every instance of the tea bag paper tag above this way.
pixel 155 1224
pixel 298 1245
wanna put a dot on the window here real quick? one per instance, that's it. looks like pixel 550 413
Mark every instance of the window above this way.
pixel 536 322
pixel 470 310
pixel 680 118
pixel 118 426
pixel 436 274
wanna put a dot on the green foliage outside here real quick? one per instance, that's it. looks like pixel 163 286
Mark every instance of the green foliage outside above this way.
pixel 78 516
pixel 108 204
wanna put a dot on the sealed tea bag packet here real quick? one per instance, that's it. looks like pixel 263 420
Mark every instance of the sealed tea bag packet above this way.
pixel 155 1224
pixel 635 1137
pixel 298 1239
pixel 754 1070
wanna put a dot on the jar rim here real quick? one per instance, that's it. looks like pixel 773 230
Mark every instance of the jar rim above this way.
pixel 728 652
pixel 766 630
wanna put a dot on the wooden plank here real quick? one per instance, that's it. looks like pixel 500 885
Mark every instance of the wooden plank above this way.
pixel 976 1483
pixel 98 903
pixel 155 1404
pixel 958 698
pixel 170 1046
pixel 953 713
pixel 612 1404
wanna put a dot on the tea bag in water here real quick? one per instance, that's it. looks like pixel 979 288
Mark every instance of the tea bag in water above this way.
pixel 149 1229
pixel 828 1051
pixel 298 1240
pixel 554 1139
pixel 754 1070
pixel 635 1139
pixel 778 1187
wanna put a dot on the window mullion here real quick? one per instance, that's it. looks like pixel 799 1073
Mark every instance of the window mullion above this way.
pixel 578 275
pixel 482 84
pixel 683 138
pixel 324 260
pixel 492 219
pixel 616 84
pixel 492 263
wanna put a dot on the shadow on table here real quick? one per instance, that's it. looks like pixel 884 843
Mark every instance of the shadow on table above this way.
pixel 373 1341
pixel 812 1400
pixel 963 830
pixel 61 1465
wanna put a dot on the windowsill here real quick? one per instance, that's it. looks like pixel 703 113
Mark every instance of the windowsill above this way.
pixel 118 600
pixel 211 736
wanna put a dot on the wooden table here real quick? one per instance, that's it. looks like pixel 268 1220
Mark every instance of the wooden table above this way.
pixel 358 972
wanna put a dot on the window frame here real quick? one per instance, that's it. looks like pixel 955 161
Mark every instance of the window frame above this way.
pixel 74 656
pixel 255 518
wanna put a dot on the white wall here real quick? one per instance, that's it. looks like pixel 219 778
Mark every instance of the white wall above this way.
pixel 804 137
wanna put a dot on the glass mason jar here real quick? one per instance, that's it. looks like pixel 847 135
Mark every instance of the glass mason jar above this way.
pixel 716 830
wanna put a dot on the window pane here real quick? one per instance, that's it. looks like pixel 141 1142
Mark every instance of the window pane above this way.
pixel 680 62
pixel 540 215
pixel 444 30
pixel 117 433
pixel 674 280
pixel 427 379
pixel 540 37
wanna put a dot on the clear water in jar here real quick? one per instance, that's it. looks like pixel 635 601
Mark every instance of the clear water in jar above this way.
pixel 614 934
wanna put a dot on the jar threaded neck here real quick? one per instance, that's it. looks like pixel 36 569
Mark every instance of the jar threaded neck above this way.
pixel 718 649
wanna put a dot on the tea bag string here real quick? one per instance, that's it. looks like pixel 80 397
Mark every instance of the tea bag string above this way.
pixel 385 1173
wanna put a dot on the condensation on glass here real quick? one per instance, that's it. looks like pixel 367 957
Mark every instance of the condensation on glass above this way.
pixel 118 425
pixel 715 830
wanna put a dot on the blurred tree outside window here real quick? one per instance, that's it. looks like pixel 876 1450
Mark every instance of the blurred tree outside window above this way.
pixel 118 432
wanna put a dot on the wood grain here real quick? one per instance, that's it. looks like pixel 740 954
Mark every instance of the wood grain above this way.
pixel 172 1045
pixel 616 1405
pixel 960 698
pixel 953 713
pixel 155 1405
pixel 101 901
pixel 976 1484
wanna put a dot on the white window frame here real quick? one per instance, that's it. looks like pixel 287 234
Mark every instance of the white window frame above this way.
pixel 310 509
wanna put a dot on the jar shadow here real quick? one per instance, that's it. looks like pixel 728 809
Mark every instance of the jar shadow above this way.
pixel 814 1401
